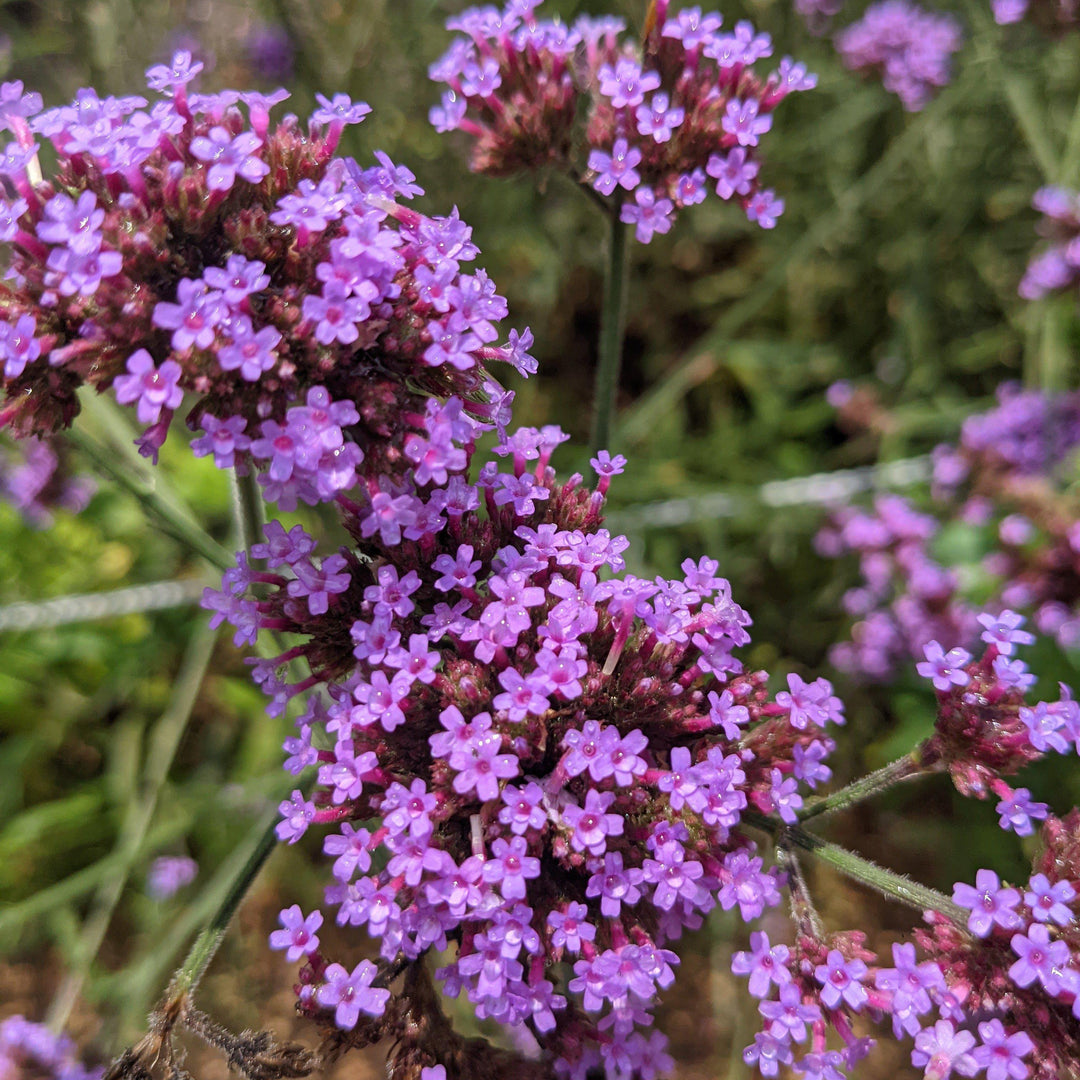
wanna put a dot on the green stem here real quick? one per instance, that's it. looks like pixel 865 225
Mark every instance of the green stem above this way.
pixel 906 768
pixel 1069 173
pixel 249 509
pixel 889 884
pixel 211 936
pixel 612 325
pixel 172 518
pixel 161 750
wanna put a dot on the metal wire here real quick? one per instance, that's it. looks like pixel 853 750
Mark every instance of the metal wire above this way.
pixel 87 607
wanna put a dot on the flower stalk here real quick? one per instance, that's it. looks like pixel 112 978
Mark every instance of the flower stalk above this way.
pixel 612 329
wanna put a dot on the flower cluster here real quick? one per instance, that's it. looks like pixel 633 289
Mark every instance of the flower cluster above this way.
pixel 909 46
pixel 558 752
pixel 188 245
pixel 1058 267
pixel 983 980
pixel 36 479
pixel 29 1049
pixel 664 121
pixel 1017 964
pixel 1003 482
pixel 1051 16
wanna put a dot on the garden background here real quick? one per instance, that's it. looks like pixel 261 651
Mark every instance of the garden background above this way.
pixel 895 267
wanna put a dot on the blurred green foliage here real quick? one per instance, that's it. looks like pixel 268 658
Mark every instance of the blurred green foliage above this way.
pixel 896 263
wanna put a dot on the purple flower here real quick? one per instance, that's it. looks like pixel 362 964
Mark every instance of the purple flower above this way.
pixel 352 994
pixel 18 345
pixel 614 885
pixel 841 980
pixel 590 750
pixel 909 46
pixel 616 169
pixel 1049 902
pixel 765 963
pixel 194 318
pixel 570 928
pixel 154 388
pixel 591 824
pixel 945 669
pixel 481 767
pixel 1002 1054
pixel 238 279
pixel 659 118
pixel 169 874
pixel 626 84
pixel 297 813
pixel 1018 810
pixel 298 935
pixel 989 902
pixel 1040 958
pixel 229 156
pixel 942 1049
pixel 648 214
pixel 178 73
pixel 741 119
pixel 764 208
pixel 510 866
pixel 734 172
pixel 341 110
pixel 250 352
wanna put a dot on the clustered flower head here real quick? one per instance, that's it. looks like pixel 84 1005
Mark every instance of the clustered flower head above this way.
pixel 28 1049
pixel 908 46
pixel 1007 480
pixel 36 478
pixel 1058 267
pixel 1016 963
pixel 189 246
pixel 1000 976
pixel 663 121
pixel 1052 16
pixel 557 752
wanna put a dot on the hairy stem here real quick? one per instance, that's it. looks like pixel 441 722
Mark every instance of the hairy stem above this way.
pixel 906 768
pixel 211 936
pixel 887 882
pixel 173 518
pixel 612 325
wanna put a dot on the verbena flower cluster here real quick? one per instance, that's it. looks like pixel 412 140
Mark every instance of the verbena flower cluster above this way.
pixel 558 752
pixel 1051 16
pixel 547 765
pixel 36 478
pixel 1058 267
pixel 187 245
pixel 998 994
pixel 910 48
pixel 664 121
pixel 33 1050
pixel 1005 484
